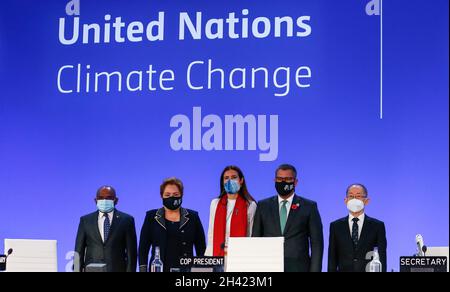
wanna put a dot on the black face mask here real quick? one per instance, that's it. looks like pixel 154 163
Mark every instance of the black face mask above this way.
pixel 172 203
pixel 284 189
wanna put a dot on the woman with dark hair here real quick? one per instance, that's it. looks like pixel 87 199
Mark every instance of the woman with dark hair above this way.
pixel 231 215
pixel 171 231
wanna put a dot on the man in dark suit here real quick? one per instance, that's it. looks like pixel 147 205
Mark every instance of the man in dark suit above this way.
pixel 106 236
pixel 295 218
pixel 354 237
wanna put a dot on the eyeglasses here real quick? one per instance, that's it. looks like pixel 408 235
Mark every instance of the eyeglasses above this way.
pixel 351 197
pixel 284 179
pixel 168 195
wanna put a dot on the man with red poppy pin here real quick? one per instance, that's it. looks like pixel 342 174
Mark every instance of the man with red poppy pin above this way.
pixel 296 219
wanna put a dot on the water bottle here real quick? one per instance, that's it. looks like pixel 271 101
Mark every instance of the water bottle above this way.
pixel 157 264
pixel 375 264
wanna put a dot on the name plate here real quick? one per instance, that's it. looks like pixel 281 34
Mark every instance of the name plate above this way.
pixel 210 264
pixel 423 264
pixel 2 263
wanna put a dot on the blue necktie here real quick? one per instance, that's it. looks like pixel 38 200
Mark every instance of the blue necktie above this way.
pixel 355 236
pixel 106 227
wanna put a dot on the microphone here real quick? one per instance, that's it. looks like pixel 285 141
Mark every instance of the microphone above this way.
pixel 421 248
pixel 10 251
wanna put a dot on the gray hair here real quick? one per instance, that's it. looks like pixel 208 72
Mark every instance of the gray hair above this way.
pixel 358 185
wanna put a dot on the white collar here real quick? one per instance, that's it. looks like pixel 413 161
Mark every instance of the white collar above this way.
pixel 110 214
pixel 290 199
pixel 360 217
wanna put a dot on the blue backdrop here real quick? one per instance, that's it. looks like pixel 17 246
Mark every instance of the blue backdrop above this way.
pixel 57 148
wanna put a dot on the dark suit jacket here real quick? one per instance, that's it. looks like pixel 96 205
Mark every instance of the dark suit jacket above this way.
pixel 154 234
pixel 303 232
pixel 343 257
pixel 119 252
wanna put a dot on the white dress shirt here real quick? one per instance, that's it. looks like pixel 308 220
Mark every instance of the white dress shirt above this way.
pixel 360 223
pixel 101 222
pixel 212 216
pixel 288 204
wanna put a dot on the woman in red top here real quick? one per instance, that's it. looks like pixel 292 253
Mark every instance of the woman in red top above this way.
pixel 231 215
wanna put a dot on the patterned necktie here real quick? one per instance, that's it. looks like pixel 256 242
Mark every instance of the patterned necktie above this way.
pixel 283 215
pixel 355 236
pixel 106 227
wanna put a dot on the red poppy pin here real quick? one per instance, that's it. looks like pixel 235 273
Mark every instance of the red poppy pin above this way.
pixel 295 206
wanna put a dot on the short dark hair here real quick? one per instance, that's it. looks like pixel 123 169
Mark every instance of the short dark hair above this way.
pixel 358 185
pixel 174 182
pixel 106 189
pixel 287 167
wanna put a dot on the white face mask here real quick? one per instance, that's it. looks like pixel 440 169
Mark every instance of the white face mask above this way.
pixel 355 205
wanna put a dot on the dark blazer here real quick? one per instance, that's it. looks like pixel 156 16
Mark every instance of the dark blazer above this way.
pixel 303 232
pixel 154 234
pixel 343 257
pixel 119 252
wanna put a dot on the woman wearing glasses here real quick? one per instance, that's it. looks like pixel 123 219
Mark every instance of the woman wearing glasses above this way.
pixel 231 214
